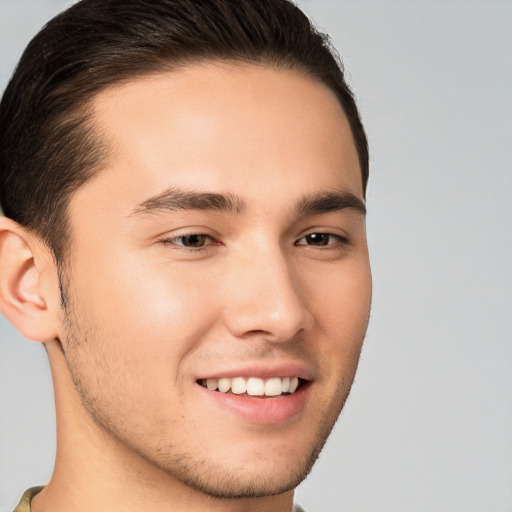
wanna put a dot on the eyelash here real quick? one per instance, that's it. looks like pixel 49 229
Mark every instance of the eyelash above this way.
pixel 183 247
pixel 339 241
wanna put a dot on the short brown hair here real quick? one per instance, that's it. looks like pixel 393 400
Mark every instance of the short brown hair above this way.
pixel 48 147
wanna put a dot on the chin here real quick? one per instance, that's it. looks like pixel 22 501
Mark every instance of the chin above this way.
pixel 250 482
pixel 249 473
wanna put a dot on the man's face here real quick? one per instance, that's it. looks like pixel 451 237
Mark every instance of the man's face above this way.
pixel 223 243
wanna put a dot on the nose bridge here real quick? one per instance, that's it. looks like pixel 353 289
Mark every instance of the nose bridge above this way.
pixel 266 295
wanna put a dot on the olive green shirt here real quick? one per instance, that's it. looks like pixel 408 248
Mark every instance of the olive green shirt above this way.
pixel 24 504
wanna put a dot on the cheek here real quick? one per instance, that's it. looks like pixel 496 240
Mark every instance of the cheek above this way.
pixel 154 312
pixel 341 308
pixel 342 296
pixel 134 326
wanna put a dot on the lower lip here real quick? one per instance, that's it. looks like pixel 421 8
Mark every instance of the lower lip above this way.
pixel 268 411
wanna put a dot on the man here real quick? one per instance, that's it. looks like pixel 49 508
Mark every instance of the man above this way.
pixel 183 185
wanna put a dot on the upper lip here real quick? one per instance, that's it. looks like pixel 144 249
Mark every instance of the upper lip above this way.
pixel 263 371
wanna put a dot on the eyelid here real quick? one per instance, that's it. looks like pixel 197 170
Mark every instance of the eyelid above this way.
pixel 342 240
pixel 172 238
pixel 325 230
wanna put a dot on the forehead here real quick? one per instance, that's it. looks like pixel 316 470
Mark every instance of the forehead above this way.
pixel 243 129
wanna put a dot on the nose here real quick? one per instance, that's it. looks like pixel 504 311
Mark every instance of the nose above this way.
pixel 265 297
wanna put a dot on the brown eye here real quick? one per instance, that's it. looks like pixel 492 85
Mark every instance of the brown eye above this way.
pixel 318 239
pixel 321 240
pixel 193 241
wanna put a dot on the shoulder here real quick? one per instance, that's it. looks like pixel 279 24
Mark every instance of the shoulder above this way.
pixel 24 504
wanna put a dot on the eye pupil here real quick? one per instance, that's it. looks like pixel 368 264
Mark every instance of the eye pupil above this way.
pixel 194 240
pixel 317 239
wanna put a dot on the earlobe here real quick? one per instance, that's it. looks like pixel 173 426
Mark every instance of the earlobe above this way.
pixel 23 299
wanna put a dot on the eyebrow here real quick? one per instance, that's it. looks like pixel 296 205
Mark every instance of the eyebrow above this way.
pixel 330 201
pixel 176 199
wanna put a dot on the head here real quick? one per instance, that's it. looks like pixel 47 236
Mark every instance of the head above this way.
pixel 194 173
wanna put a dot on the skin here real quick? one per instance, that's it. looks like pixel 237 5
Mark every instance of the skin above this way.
pixel 147 316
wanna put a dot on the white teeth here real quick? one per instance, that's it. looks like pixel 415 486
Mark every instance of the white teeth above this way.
pixel 253 386
pixel 211 384
pixel 273 387
pixel 238 386
pixel 224 385
pixel 293 384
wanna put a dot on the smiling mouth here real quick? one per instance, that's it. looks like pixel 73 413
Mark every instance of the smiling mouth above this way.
pixel 254 386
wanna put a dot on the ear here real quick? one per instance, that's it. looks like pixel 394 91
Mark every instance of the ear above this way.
pixel 29 292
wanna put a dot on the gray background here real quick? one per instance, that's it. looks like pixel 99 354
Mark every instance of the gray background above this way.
pixel 428 426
